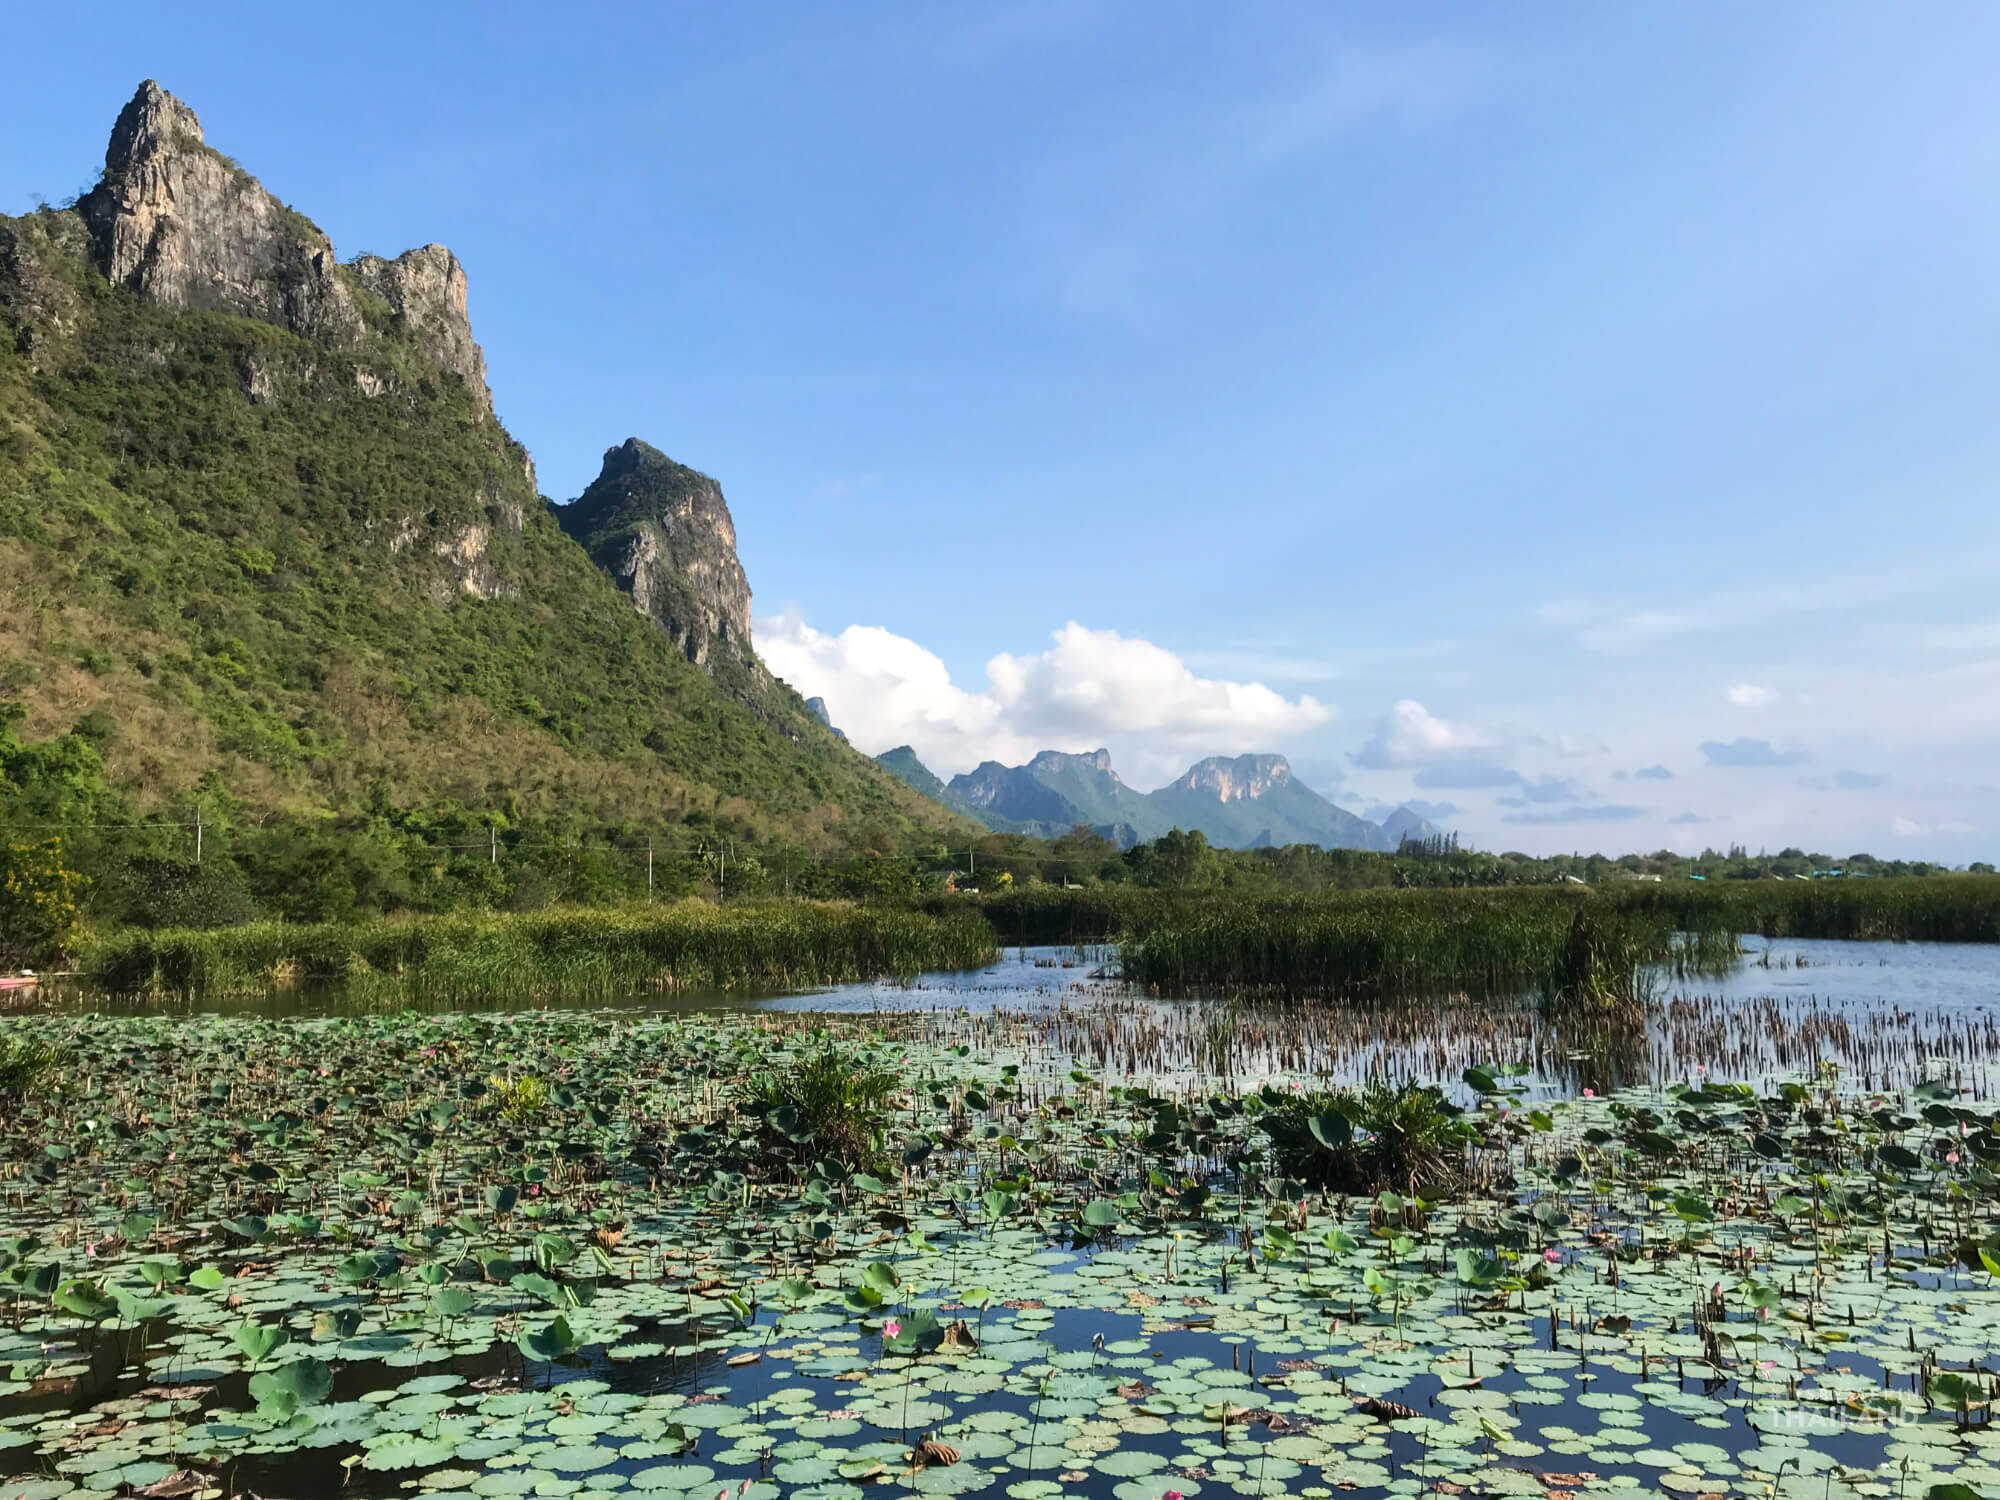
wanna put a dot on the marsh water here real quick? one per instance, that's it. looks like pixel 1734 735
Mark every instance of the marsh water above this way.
pixel 1885 1015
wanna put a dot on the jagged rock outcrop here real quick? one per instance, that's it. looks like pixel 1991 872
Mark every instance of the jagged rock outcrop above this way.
pixel 425 292
pixel 663 531
pixel 184 226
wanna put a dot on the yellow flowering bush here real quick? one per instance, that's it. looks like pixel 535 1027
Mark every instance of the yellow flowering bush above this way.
pixel 38 904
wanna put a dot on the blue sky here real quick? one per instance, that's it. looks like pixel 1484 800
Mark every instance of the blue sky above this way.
pixel 1579 417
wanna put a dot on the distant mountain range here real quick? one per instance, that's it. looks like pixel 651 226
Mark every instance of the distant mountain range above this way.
pixel 1240 802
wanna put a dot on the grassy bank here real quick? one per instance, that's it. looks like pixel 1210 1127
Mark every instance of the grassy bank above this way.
pixel 688 945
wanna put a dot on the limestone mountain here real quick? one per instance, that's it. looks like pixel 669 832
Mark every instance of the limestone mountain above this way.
pixel 1242 802
pixel 902 763
pixel 1056 792
pixel 261 531
pixel 187 228
pixel 1255 799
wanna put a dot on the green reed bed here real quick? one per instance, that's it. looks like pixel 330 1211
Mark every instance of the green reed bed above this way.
pixel 1569 945
pixel 689 945
pixel 1926 908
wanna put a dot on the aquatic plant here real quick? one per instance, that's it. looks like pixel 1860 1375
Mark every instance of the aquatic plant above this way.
pixel 824 1103
pixel 296 1253
pixel 1403 1136
pixel 26 1063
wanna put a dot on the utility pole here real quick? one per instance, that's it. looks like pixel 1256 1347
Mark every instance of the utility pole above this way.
pixel 722 872
pixel 649 867
pixel 492 845
pixel 197 833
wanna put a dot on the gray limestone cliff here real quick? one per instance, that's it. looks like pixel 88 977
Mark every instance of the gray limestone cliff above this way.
pixel 664 534
pixel 184 226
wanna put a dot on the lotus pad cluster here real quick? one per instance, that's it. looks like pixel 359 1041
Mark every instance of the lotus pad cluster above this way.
pixel 551 1255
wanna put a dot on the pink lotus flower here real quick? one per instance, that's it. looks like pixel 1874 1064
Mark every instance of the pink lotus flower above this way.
pixel 1590 1093
pixel 1763 1315
pixel 1552 1255
pixel 891 1328
pixel 1951 1157
pixel 1171 1495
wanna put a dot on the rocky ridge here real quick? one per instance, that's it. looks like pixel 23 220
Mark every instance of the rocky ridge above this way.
pixel 1238 802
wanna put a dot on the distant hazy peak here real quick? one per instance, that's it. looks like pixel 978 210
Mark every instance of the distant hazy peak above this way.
pixel 1234 778
pixel 1060 760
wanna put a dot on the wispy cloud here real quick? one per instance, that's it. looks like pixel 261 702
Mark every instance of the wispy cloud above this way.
pixel 1595 812
pixel 1547 789
pixel 1114 217
pixel 1911 828
pixel 1466 776
pixel 1975 635
pixel 1741 753
pixel 1614 626
pixel 1750 695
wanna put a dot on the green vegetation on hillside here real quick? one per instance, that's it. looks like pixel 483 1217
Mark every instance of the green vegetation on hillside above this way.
pixel 312 601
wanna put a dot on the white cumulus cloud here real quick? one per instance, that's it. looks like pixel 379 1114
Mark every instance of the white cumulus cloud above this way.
pixel 1091 687
pixel 1411 735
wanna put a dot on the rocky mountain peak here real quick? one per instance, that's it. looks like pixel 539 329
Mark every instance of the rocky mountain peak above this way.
pixel 1060 760
pixel 151 122
pixel 184 226
pixel 664 532
pixel 1235 778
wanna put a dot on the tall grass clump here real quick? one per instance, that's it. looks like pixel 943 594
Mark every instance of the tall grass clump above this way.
pixel 1404 942
pixel 27 1064
pixel 689 945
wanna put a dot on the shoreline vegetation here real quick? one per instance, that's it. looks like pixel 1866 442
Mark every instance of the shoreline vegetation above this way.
pixel 1561 942
pixel 687 945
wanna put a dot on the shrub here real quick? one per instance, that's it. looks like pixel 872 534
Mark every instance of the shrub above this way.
pixel 38 904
